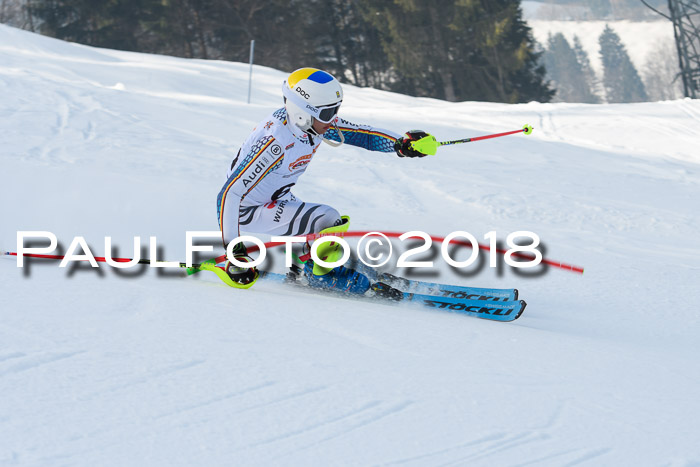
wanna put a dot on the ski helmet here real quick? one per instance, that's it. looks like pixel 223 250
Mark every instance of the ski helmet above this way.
pixel 311 93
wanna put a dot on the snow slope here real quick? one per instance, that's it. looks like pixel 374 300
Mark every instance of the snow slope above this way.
pixel 99 368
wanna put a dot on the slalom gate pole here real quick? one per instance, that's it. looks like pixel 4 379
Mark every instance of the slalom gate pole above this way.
pixel 196 267
pixel 99 259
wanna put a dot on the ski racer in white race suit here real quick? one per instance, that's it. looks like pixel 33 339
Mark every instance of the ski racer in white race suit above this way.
pixel 257 196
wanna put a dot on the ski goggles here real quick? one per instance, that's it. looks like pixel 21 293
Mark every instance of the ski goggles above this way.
pixel 323 113
pixel 327 114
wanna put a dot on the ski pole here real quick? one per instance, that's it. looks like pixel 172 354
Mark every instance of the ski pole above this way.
pixel 429 145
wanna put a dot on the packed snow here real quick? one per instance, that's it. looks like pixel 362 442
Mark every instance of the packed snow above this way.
pixel 145 367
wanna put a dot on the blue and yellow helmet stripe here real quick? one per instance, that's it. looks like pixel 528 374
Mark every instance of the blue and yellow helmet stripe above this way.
pixel 312 74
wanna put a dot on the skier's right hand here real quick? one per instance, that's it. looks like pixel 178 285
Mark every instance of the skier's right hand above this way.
pixel 404 146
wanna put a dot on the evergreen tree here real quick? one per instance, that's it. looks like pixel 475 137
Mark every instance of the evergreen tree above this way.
pixel 620 78
pixel 449 49
pixel 527 77
pixel 406 30
pixel 176 28
pixel 592 82
pixel 344 43
pixel 460 49
pixel 566 72
pixel 114 24
pixel 223 30
pixel 188 28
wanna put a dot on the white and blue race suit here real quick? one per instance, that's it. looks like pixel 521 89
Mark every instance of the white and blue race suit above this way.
pixel 256 197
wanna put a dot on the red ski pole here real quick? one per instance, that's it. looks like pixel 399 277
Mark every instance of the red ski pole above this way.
pixel 429 145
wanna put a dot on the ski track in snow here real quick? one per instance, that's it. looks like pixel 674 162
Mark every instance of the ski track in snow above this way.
pixel 31 363
pixel 482 448
pixel 101 368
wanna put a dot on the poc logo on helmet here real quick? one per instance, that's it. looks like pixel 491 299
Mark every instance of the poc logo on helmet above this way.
pixel 302 92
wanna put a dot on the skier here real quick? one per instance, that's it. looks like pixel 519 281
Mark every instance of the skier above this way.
pixel 257 196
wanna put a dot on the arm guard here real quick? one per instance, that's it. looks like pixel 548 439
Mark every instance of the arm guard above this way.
pixel 364 136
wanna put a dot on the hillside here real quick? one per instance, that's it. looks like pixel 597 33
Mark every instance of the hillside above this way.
pixel 640 38
pixel 100 368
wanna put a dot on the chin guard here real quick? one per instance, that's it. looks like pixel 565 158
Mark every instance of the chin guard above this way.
pixel 335 144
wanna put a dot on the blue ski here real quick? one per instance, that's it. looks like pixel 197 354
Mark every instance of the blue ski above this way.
pixel 446 290
pixel 495 310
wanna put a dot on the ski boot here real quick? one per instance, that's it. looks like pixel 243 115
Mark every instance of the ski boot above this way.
pixel 340 278
pixel 394 281
pixel 382 290
pixel 240 277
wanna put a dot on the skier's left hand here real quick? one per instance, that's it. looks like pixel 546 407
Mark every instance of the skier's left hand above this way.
pixel 415 143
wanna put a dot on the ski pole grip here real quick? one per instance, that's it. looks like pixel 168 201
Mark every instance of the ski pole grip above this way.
pixel 426 145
